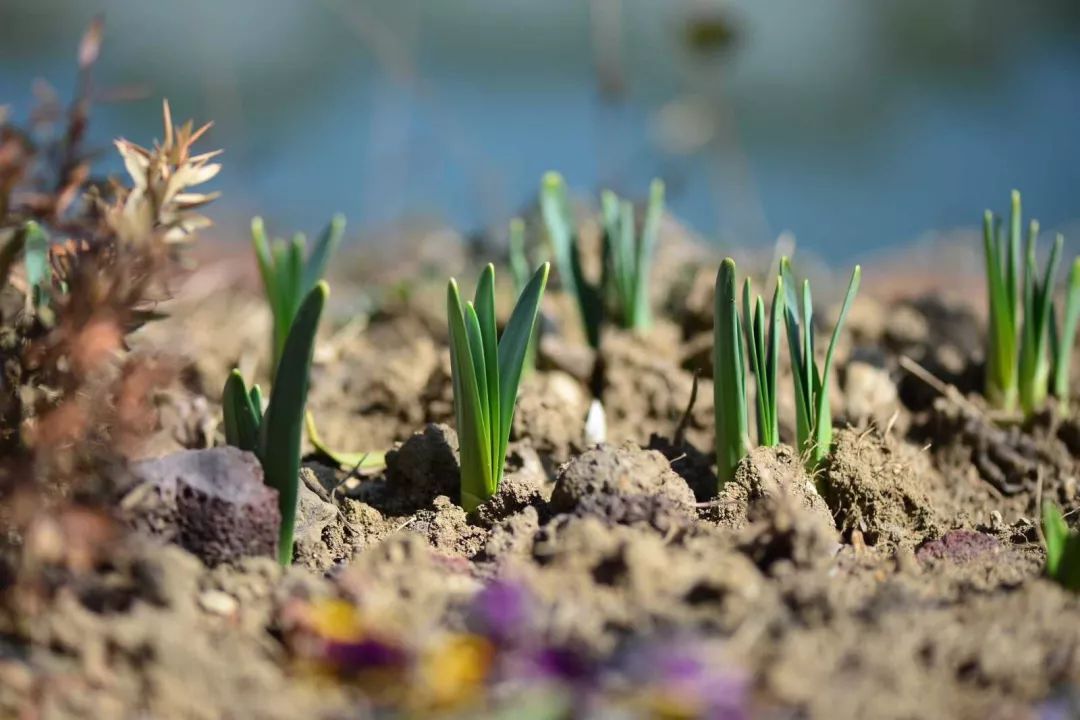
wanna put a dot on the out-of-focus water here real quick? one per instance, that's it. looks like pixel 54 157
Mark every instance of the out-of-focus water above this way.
pixel 856 125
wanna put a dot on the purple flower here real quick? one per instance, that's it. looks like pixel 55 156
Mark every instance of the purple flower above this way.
pixel 367 654
pixel 1062 705
pixel 564 664
pixel 501 611
pixel 693 673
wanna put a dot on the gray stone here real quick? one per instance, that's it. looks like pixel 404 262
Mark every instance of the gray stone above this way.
pixel 211 502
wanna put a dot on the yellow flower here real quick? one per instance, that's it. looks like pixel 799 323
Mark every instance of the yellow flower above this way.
pixel 336 620
pixel 455 671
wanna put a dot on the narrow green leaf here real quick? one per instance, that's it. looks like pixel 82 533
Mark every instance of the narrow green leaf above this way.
pixel 1013 266
pixel 476 352
pixel 325 247
pixel 473 439
pixel 519 263
pixel 754 329
pixel 267 267
pixel 257 401
pixel 241 418
pixel 489 335
pixel 1055 533
pixel 1065 340
pixel 295 266
pixel 776 313
pixel 555 209
pixel 513 346
pixel 1034 363
pixel 729 381
pixel 823 416
pixel 344 460
pixel 36 260
pixel 646 248
pixel 801 366
pixel 284 418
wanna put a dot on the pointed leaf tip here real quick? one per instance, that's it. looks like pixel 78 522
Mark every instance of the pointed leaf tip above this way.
pixel 552 180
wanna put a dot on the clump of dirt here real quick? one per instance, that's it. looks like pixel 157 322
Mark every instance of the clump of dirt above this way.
pixel 369 396
pixel 765 475
pixel 1010 458
pixel 550 413
pixel 424 467
pixel 521 488
pixel 599 581
pixel 624 484
pixel 175 640
pixel 646 392
pixel 871 487
pixel 778 517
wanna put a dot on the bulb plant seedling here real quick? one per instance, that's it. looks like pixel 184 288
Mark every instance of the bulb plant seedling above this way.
pixel 623 290
pixel 289 272
pixel 566 251
pixel 1022 322
pixel 1061 342
pixel 1062 548
pixel 274 435
pixel 763 349
pixel 486 371
pixel 628 258
pixel 519 269
pixel 729 382
pixel 813 416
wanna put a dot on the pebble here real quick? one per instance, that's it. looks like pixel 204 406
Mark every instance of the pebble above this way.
pixel 216 602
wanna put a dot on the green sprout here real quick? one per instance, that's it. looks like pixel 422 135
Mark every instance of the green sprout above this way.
pixel 274 436
pixel 629 258
pixel 519 268
pixel 486 371
pixel 288 275
pixel 624 283
pixel 31 242
pixel 1021 317
pixel 36 261
pixel 555 208
pixel 1061 343
pixel 764 350
pixel 813 416
pixel 1062 548
pixel 729 377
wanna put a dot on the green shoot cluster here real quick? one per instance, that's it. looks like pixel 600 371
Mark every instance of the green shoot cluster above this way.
pixel 1021 317
pixel 811 384
pixel 486 372
pixel 289 272
pixel 31 243
pixel 1062 342
pixel 1062 548
pixel 519 269
pixel 274 435
pixel 623 289
pixel 813 416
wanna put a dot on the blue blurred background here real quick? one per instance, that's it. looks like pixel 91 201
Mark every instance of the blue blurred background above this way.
pixel 857 125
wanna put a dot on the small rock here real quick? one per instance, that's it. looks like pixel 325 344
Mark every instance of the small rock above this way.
pixel 958 546
pixel 424 467
pixel 625 484
pixel 313 516
pixel 216 602
pixel 211 502
pixel 870 395
pixel 518 490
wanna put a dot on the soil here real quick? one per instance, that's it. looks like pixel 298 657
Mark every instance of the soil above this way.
pixel 901 579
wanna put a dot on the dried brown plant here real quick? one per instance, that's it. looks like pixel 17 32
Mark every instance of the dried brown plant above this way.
pixel 70 394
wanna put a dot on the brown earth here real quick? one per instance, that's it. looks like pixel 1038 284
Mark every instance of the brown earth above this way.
pixel 903 579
